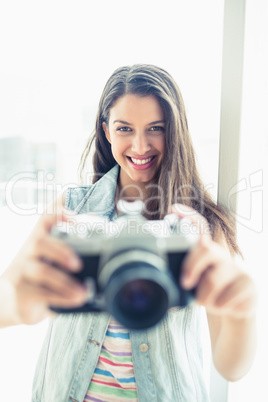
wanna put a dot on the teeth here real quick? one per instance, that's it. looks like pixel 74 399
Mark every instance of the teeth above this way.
pixel 141 162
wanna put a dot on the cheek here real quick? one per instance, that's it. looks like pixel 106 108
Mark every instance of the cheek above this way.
pixel 118 147
pixel 160 145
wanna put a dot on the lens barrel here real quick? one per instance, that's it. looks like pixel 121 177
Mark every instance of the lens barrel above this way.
pixel 138 294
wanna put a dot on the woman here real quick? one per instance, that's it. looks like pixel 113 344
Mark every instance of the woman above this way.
pixel 143 151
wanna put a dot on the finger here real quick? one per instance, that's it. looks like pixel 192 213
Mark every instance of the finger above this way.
pixel 184 211
pixel 57 252
pixel 205 254
pixel 212 283
pixel 236 299
pixel 37 298
pixel 54 299
pixel 49 219
pixel 53 279
pixel 240 292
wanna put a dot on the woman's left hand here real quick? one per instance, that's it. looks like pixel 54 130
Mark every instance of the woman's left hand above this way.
pixel 221 286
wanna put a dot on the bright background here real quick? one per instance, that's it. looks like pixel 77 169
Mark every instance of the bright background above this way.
pixel 55 59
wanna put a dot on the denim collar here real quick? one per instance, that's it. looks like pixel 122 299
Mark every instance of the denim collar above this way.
pixel 100 195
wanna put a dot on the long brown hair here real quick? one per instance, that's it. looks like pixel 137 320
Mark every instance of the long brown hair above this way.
pixel 177 180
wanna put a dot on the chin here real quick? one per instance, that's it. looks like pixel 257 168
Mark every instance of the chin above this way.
pixel 143 179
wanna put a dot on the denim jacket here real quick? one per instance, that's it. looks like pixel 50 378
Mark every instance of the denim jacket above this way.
pixel 167 358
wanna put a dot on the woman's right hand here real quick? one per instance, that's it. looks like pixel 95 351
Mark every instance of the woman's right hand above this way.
pixel 31 283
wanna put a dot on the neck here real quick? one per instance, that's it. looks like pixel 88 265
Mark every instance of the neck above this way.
pixel 131 191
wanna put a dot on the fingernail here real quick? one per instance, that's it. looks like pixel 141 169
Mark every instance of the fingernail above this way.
pixel 76 263
pixel 185 280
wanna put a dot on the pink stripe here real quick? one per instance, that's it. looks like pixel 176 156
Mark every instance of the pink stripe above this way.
pixel 115 364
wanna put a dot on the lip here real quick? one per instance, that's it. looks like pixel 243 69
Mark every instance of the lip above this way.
pixel 142 167
pixel 136 157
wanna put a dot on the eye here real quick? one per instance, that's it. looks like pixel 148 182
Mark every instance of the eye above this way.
pixel 157 128
pixel 123 129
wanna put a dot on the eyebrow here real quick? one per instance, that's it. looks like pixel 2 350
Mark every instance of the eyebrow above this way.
pixel 129 124
pixel 122 122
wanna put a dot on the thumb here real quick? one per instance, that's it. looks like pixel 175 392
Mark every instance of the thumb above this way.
pixel 61 215
pixel 184 211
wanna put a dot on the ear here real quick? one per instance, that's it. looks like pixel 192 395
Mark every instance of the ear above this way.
pixel 106 131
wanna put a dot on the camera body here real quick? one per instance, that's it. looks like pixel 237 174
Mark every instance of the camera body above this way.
pixel 131 266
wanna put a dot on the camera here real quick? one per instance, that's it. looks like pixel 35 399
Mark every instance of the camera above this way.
pixel 131 265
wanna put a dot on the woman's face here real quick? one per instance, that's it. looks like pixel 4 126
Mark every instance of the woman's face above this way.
pixel 136 132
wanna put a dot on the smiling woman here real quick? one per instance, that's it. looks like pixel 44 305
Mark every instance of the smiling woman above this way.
pixel 51 94
pixel 149 103
pixel 138 147
pixel 134 99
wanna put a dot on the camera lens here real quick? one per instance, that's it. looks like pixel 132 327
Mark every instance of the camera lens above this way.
pixel 142 303
pixel 137 295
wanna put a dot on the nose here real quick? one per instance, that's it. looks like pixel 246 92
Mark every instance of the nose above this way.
pixel 140 144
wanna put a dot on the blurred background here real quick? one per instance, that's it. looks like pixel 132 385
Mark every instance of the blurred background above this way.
pixel 56 57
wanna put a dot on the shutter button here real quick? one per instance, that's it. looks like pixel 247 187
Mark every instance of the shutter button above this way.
pixel 144 347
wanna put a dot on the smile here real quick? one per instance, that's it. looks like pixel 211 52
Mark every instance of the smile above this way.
pixel 141 164
pixel 141 161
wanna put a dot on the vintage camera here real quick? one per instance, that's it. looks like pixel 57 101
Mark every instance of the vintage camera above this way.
pixel 131 266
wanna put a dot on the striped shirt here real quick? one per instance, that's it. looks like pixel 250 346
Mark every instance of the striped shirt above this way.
pixel 113 378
